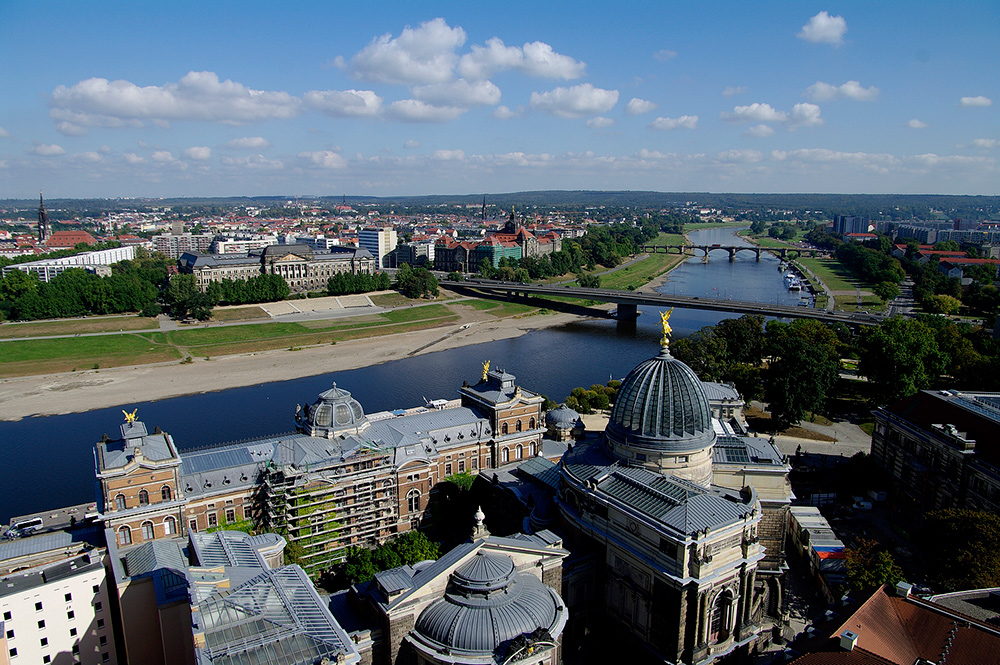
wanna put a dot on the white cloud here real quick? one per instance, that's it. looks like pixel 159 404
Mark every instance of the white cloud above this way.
pixel 459 93
pixel 325 158
pixel 200 153
pixel 741 156
pixel 448 155
pixel 969 102
pixel 576 101
pixel 425 54
pixel 824 92
pixel 986 143
pixel 759 131
pixel 637 106
pixel 804 115
pixel 256 162
pixel 412 143
pixel 4 133
pixel 534 59
pixel 88 157
pixel 824 29
pixel 162 156
pixel 667 124
pixel 133 158
pixel 665 54
pixel 97 102
pixel 504 113
pixel 755 112
pixel 733 90
pixel 47 150
pixel 248 143
pixel 69 129
pixel 344 103
pixel 414 110
pixel 823 155
pixel 599 122
pixel 916 124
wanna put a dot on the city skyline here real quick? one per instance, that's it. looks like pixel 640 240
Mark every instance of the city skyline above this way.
pixel 117 99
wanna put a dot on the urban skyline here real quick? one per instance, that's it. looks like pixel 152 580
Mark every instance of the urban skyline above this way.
pixel 111 99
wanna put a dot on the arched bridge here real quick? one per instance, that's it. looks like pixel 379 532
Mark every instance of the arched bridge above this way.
pixel 731 250
pixel 629 301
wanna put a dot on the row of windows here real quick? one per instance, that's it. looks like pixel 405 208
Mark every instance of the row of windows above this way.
pixel 504 429
pixel 147 529
pixel 121 503
pixel 518 452
pixel 105 657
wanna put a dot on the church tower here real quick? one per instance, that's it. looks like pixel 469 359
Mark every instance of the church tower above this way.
pixel 43 220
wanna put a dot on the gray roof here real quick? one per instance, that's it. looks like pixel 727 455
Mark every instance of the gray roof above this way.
pixel 746 450
pixel 563 417
pixel 542 470
pixel 720 392
pixel 155 447
pixel 37 577
pixel 155 554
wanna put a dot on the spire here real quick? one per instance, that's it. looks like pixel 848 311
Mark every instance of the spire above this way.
pixel 484 207
pixel 43 219
pixel 479 530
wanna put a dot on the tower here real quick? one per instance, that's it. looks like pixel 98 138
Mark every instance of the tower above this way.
pixel 43 220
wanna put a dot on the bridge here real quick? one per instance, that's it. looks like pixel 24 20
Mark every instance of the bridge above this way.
pixel 629 301
pixel 731 250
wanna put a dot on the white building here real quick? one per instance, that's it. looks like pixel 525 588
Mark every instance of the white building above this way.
pixel 98 262
pixel 175 244
pixel 241 244
pixel 58 613
pixel 379 241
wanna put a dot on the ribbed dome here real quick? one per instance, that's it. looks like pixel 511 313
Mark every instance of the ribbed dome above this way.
pixel 335 412
pixel 661 404
pixel 487 605
pixel 562 417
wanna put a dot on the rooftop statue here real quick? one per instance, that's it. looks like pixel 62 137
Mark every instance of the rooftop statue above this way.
pixel 130 418
pixel 665 324
pixel 486 368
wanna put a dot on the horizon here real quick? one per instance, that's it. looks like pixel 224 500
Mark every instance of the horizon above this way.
pixel 717 98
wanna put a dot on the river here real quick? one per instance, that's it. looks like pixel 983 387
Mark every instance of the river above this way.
pixel 49 460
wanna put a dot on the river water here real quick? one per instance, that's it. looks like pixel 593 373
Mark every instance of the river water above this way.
pixel 49 463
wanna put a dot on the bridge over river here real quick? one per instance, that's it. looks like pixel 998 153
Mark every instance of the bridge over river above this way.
pixel 629 301
pixel 756 250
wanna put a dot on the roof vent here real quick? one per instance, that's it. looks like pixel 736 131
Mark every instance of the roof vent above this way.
pixel 903 589
pixel 848 640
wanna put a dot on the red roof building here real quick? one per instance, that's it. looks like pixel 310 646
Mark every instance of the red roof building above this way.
pixel 69 239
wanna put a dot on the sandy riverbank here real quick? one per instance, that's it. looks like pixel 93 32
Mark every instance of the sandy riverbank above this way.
pixel 74 392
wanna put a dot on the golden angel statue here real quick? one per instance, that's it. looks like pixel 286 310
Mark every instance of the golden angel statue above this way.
pixel 130 418
pixel 665 324
pixel 486 368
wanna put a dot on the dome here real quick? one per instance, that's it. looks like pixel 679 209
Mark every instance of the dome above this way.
pixel 488 604
pixel 661 405
pixel 562 418
pixel 335 412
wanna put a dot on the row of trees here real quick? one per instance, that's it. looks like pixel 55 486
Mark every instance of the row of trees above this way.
pixel 346 283
pixel 595 398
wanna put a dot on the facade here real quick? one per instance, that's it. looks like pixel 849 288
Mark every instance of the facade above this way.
pixel 98 262
pixel 69 239
pixel 58 612
pixel 413 253
pixel 176 244
pixel 241 244
pixel 379 241
pixel 940 447
pixel 845 224
pixel 530 244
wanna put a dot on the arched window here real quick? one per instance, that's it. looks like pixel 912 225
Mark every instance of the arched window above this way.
pixel 517 427
pixel 503 428
pixel 169 526
pixel 124 536
pixel 519 452
pixel 165 493
pixel 719 628
pixel 413 501
pixel 531 424
pixel 143 498
pixel 147 530
pixel 531 449
pixel 505 455
pixel 120 502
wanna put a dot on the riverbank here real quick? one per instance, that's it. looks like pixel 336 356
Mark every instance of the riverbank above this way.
pixel 75 392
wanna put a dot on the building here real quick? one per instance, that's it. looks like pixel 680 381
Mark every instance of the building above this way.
pixel 69 239
pixel 176 244
pixel 844 224
pixel 43 220
pixel 241 244
pixel 530 244
pixel 379 241
pixel 940 448
pixel 98 262
pixel 413 254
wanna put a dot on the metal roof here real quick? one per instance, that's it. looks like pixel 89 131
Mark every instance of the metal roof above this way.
pixel 542 470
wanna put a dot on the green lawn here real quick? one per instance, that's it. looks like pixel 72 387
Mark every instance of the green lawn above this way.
pixel 77 326
pixel 832 274
pixel 480 304
pixel 640 273
pixel 850 303
pixel 42 356
pixel 239 314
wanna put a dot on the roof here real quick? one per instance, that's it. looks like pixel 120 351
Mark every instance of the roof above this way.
pixel 33 578
pixel 746 450
pixel 720 392
pixel 116 454
pixel 542 470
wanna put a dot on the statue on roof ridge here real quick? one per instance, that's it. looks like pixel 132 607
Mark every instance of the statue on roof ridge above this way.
pixel 665 324
pixel 486 368
pixel 130 418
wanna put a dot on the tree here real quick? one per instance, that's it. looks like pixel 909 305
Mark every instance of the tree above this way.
pixel 886 291
pixel 870 565
pixel 942 304
pixel 589 281
pixel 900 357
pixel 416 282
pixel 964 548
pixel 798 379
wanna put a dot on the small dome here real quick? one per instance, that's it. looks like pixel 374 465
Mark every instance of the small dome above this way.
pixel 562 418
pixel 335 412
pixel 485 572
pixel 661 404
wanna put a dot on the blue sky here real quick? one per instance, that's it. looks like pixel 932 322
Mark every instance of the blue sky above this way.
pixel 108 99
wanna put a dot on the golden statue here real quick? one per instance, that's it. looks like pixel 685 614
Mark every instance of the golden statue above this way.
pixel 486 368
pixel 130 418
pixel 665 324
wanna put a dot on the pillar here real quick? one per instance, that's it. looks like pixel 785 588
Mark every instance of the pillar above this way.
pixel 627 312
pixel 732 254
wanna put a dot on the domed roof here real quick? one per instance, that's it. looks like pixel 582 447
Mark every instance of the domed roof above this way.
pixel 662 404
pixel 562 417
pixel 488 604
pixel 335 412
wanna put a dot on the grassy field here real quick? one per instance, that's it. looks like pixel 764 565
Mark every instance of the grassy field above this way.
pixel 832 274
pixel 669 239
pixel 77 326
pixel 66 354
pixel 850 303
pixel 390 300
pixel 239 314
pixel 640 273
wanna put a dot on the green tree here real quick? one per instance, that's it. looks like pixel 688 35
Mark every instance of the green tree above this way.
pixel 964 548
pixel 886 291
pixel 798 379
pixel 870 565
pixel 900 357
pixel 942 304
pixel 416 282
pixel 589 281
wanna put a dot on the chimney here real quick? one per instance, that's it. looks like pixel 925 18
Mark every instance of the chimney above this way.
pixel 848 640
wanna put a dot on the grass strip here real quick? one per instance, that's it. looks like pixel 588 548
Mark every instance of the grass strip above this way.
pixel 77 326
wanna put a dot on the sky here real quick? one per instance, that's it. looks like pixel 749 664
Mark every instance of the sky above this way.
pixel 149 99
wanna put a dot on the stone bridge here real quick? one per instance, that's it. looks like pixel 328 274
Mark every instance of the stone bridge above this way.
pixel 731 250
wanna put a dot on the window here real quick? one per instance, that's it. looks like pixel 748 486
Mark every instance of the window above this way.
pixel 213 519
pixel 68 597
pixel 169 526
pixel 447 469
pixel 503 428
pixel 230 515
pixel 143 498
pixel 461 466
pixel 96 588
pixel 100 623
pixel 531 424
pixel 104 640
pixel 44 641
pixel 413 500
pixel 124 536
pixel 98 607
pixel 505 455
pixel 531 449
pixel 13 653
pixel 165 493
pixel 76 649
pixel 475 463
pixel 519 452
pixel 46 658
pixel 105 657
pixel 72 632
pixel 120 502
pixel 38 607
pixel 517 426
pixel 6 616
pixel 147 530
pixel 41 624
pixel 10 634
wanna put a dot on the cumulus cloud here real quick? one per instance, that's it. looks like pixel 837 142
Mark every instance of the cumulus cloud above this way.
pixel 425 54
pixel 4 133
pixel 823 155
pixel 741 156
pixel 47 150
pixel 459 93
pixel 665 54
pixel 824 29
pixel 637 106
pixel 200 153
pixel 600 122
pixel 414 110
pixel 824 92
pixel 970 102
pixel 534 59
pixel 916 124
pixel 804 115
pixel 448 155
pixel 97 102
pixel 576 101
pixel 755 112
pixel 88 157
pixel 759 131
pixel 256 162
pixel 344 103
pixel 248 143
pixel 504 113
pixel 986 143
pixel 733 90
pixel 69 129
pixel 162 156
pixel 326 159
pixel 133 158
pixel 667 124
